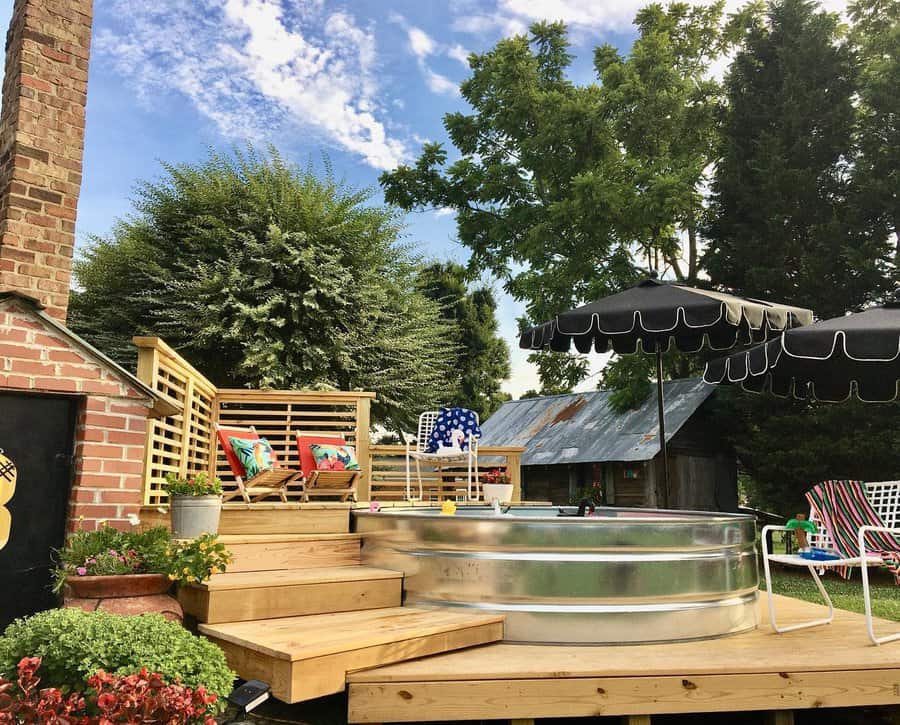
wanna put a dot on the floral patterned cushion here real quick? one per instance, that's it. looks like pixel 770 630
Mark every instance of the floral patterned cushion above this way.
pixel 255 455
pixel 334 457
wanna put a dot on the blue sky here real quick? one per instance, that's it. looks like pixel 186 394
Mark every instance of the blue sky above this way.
pixel 363 81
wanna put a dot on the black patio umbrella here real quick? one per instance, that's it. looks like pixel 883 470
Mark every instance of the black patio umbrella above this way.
pixel 656 314
pixel 856 354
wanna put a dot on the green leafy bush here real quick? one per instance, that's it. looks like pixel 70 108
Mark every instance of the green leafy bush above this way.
pixel 74 644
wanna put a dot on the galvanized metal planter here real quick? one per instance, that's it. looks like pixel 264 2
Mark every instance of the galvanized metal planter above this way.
pixel 622 576
pixel 195 515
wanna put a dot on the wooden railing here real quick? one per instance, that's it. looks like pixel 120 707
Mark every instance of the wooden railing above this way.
pixel 387 465
pixel 184 442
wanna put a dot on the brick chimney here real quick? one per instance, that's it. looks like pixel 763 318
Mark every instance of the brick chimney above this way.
pixel 41 146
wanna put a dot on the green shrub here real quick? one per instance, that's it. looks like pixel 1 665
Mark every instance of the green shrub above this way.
pixel 74 644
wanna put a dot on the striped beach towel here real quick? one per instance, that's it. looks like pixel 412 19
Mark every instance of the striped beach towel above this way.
pixel 842 507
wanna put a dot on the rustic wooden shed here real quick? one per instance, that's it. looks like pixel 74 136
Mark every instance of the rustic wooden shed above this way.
pixel 577 442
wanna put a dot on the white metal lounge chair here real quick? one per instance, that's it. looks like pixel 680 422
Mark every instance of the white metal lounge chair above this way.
pixel 884 498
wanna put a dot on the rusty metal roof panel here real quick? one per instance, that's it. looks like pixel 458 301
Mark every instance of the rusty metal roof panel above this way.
pixel 582 428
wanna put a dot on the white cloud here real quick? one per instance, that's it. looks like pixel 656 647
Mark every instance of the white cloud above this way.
pixel 421 44
pixel 254 67
pixel 512 17
pixel 444 211
pixel 440 84
pixel 459 53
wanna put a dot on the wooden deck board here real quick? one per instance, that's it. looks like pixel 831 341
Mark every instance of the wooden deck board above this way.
pixel 307 657
pixel 295 638
pixel 830 666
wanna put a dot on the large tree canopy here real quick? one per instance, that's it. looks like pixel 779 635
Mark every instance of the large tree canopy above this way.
pixel 570 192
pixel 265 274
pixel 786 223
pixel 783 225
pixel 482 358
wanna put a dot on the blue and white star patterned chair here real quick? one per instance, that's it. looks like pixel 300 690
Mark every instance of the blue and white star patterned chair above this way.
pixel 446 436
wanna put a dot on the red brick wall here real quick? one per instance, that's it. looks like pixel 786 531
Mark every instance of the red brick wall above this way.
pixel 112 419
pixel 41 146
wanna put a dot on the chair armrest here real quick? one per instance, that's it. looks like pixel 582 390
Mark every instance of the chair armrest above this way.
pixel 765 538
pixel 863 530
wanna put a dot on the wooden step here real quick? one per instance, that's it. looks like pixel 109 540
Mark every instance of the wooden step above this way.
pixel 251 595
pixel 266 517
pixel 267 552
pixel 307 657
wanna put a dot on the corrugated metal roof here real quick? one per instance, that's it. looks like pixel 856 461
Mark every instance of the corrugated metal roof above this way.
pixel 581 427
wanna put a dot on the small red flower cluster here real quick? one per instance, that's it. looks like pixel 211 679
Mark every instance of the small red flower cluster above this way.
pixel 496 475
pixel 139 698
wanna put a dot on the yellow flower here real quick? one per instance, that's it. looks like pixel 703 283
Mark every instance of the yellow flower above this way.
pixel 202 546
pixel 172 577
pixel 186 570
pixel 192 579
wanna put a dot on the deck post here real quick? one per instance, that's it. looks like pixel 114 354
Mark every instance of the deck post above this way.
pixel 363 411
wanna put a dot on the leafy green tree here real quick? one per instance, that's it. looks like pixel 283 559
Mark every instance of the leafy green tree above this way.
pixel 784 225
pixel 482 358
pixel 875 37
pixel 565 191
pixel 264 274
pixel 781 223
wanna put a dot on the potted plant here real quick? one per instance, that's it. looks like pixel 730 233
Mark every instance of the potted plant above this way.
pixel 111 564
pixel 497 486
pixel 195 504
pixel 131 572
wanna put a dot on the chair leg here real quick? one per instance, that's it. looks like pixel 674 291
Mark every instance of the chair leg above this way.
pixel 870 625
pixel 408 477
pixel 818 581
pixel 419 479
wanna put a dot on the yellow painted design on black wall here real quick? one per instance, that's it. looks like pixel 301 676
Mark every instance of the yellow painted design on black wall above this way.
pixel 7 489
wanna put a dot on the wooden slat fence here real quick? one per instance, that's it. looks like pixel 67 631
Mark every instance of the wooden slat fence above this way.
pixel 279 415
pixel 388 472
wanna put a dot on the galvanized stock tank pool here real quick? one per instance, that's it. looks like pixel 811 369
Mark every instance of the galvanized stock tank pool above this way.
pixel 622 576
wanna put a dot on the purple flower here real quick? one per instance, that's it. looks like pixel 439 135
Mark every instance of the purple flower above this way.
pixel 81 571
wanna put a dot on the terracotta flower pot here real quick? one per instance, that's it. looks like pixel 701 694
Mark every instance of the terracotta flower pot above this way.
pixel 123 594
pixel 118 585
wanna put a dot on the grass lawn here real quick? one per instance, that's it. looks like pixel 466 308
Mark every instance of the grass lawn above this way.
pixel 845 594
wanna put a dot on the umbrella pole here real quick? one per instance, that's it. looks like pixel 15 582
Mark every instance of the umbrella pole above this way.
pixel 662 425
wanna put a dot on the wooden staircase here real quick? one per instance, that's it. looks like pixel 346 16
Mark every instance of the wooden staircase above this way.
pixel 299 611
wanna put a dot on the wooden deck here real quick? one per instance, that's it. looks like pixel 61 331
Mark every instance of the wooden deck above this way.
pixel 831 666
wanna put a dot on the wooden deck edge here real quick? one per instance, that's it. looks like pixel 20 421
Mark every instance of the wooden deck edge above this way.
pixel 326 674
pixel 606 696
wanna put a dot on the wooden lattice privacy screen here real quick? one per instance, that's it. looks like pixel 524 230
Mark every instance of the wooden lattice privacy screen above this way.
pixel 278 415
pixel 178 443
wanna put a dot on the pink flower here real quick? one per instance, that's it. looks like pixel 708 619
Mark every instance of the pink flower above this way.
pixel 81 571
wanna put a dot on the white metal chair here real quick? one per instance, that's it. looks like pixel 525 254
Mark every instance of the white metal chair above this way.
pixel 416 450
pixel 885 499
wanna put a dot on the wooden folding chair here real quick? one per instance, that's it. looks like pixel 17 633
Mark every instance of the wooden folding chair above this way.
pixel 323 484
pixel 263 484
